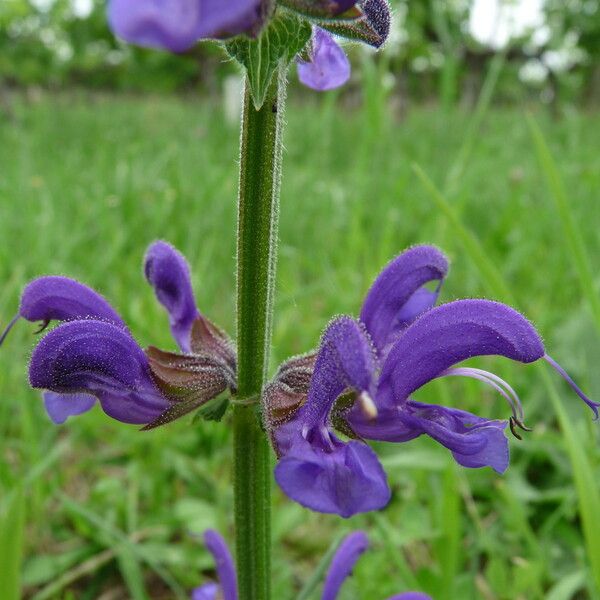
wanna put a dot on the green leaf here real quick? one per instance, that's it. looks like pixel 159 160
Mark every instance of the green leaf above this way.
pixel 12 525
pixel 281 40
pixel 214 409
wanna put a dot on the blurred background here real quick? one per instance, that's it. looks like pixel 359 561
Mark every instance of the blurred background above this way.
pixel 476 128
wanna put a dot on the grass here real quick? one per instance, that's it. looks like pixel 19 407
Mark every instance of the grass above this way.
pixel 87 182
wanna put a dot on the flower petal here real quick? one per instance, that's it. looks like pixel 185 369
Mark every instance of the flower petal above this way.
pixel 208 591
pixel 98 358
pixel 328 67
pixel 345 360
pixel 166 24
pixel 474 442
pixel 63 299
pixel 224 563
pixel 168 273
pixel 177 25
pixel 449 334
pixel 348 552
pixel 411 596
pixel 346 480
pixel 397 295
pixel 62 406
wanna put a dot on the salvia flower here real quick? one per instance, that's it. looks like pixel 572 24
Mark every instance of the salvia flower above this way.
pixel 177 25
pixel 342 564
pixel 365 372
pixel 92 356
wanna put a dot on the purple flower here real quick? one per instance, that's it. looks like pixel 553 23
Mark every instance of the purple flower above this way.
pixel 226 589
pixel 177 25
pixel 346 556
pixel 328 66
pixel 93 356
pixel 366 370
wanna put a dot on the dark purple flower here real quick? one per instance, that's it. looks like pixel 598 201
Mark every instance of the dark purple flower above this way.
pixel 177 25
pixel 366 370
pixel 328 66
pixel 226 589
pixel 342 564
pixel 316 468
pixel 93 356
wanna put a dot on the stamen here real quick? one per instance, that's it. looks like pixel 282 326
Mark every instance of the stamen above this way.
pixel 512 423
pixel 367 406
pixel 8 328
pixel 501 386
pixel 515 422
pixel 42 326
pixel 593 405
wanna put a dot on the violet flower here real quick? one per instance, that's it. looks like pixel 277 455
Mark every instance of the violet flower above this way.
pixel 365 372
pixel 346 556
pixel 226 589
pixel 327 66
pixel 177 25
pixel 93 356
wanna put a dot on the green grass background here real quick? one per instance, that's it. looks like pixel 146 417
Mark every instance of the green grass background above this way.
pixel 96 509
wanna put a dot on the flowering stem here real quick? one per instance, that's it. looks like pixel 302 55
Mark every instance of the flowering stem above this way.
pixel 260 161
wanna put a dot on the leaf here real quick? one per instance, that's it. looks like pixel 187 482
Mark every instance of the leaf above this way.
pixel 12 524
pixel 280 41
pixel 214 410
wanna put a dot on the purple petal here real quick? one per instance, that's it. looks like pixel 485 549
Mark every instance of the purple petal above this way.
pixel 345 360
pixel 345 479
pixel 208 591
pixel 224 563
pixel 328 67
pixel 98 358
pixel 397 296
pixel 343 562
pixel 449 334
pixel 63 299
pixel 474 442
pixel 168 273
pixel 177 25
pixel 62 406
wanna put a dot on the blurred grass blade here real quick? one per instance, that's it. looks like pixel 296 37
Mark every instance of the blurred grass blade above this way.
pixel 492 277
pixel 567 587
pixel 448 546
pixel 12 525
pixel 588 495
pixel 583 474
pixel 484 101
pixel 318 575
pixel 132 575
pixel 136 551
pixel 569 226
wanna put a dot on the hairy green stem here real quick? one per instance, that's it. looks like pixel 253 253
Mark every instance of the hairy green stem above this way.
pixel 260 170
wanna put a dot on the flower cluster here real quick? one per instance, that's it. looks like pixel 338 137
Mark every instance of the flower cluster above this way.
pixel 346 556
pixel 361 379
pixel 92 356
pixel 358 383
pixel 177 25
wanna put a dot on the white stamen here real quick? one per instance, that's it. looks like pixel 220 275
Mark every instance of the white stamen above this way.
pixel 367 406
